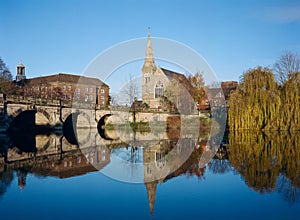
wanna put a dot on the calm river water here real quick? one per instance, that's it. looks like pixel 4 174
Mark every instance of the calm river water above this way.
pixel 253 176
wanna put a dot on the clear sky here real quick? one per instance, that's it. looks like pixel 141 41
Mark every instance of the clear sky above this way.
pixel 52 36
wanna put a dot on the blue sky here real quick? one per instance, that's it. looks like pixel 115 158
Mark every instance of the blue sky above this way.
pixel 52 36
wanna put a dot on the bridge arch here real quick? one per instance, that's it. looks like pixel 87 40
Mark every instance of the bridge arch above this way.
pixel 100 128
pixel 17 112
pixel 103 120
pixel 24 120
pixel 69 128
pixel 42 117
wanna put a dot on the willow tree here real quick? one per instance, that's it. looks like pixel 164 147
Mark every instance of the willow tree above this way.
pixel 290 95
pixel 256 103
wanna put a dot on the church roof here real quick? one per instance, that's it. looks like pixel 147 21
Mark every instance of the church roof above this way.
pixel 68 78
pixel 179 77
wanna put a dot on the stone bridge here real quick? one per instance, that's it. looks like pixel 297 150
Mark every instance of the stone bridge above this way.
pixel 57 113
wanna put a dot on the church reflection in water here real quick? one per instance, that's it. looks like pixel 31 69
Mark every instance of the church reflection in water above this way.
pixel 266 163
pixel 57 155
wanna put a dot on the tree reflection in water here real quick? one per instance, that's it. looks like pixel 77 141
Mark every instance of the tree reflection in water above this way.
pixel 268 162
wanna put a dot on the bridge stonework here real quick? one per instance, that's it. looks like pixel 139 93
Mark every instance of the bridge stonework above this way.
pixel 55 113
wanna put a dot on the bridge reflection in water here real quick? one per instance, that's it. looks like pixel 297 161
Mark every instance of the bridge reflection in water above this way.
pixel 266 163
pixel 60 155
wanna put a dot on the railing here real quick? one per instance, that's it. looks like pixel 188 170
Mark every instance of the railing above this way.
pixel 80 105
pixel 52 102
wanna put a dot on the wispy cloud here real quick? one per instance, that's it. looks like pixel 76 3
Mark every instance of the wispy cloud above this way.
pixel 281 14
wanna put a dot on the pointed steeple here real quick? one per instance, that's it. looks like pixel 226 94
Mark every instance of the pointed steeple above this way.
pixel 151 191
pixel 149 65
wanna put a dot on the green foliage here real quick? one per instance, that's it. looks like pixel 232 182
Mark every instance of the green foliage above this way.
pixel 259 103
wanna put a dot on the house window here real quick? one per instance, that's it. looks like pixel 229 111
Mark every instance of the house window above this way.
pixel 64 88
pixel 159 90
pixel 87 89
pixel 69 88
pixel 102 98
pixel 78 91
pixel 91 89
pixel 101 90
pixel 64 96
pixel 91 98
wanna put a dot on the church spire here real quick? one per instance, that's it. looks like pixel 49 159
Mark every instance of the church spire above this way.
pixel 149 65
pixel 151 191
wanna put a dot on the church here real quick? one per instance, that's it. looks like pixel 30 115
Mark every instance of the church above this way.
pixel 157 82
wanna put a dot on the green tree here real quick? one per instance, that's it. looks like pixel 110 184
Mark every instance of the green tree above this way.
pixel 261 103
pixel 256 103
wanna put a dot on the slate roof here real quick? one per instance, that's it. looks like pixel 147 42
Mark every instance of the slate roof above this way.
pixel 180 78
pixel 68 78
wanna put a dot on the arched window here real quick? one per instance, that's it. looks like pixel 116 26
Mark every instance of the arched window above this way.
pixel 159 89
pixel 160 160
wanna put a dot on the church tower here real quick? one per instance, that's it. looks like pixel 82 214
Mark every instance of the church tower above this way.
pixel 20 72
pixel 148 71
pixel 149 65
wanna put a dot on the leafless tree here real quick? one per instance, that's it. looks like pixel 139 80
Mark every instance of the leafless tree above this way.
pixel 287 65
pixel 4 71
pixel 128 94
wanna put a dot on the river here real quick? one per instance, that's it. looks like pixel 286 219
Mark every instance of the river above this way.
pixel 251 176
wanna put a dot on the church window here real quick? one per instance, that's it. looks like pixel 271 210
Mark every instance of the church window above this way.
pixel 147 79
pixel 160 160
pixel 159 90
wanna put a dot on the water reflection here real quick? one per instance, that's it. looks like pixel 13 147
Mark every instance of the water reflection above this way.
pixel 268 162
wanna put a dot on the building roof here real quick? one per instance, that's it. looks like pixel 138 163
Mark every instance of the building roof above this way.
pixel 20 64
pixel 68 78
pixel 228 87
pixel 179 77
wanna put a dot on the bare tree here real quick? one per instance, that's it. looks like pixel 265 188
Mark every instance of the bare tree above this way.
pixel 287 65
pixel 6 84
pixel 129 93
pixel 4 71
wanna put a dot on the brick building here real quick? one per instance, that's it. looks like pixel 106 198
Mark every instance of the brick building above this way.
pixel 68 87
